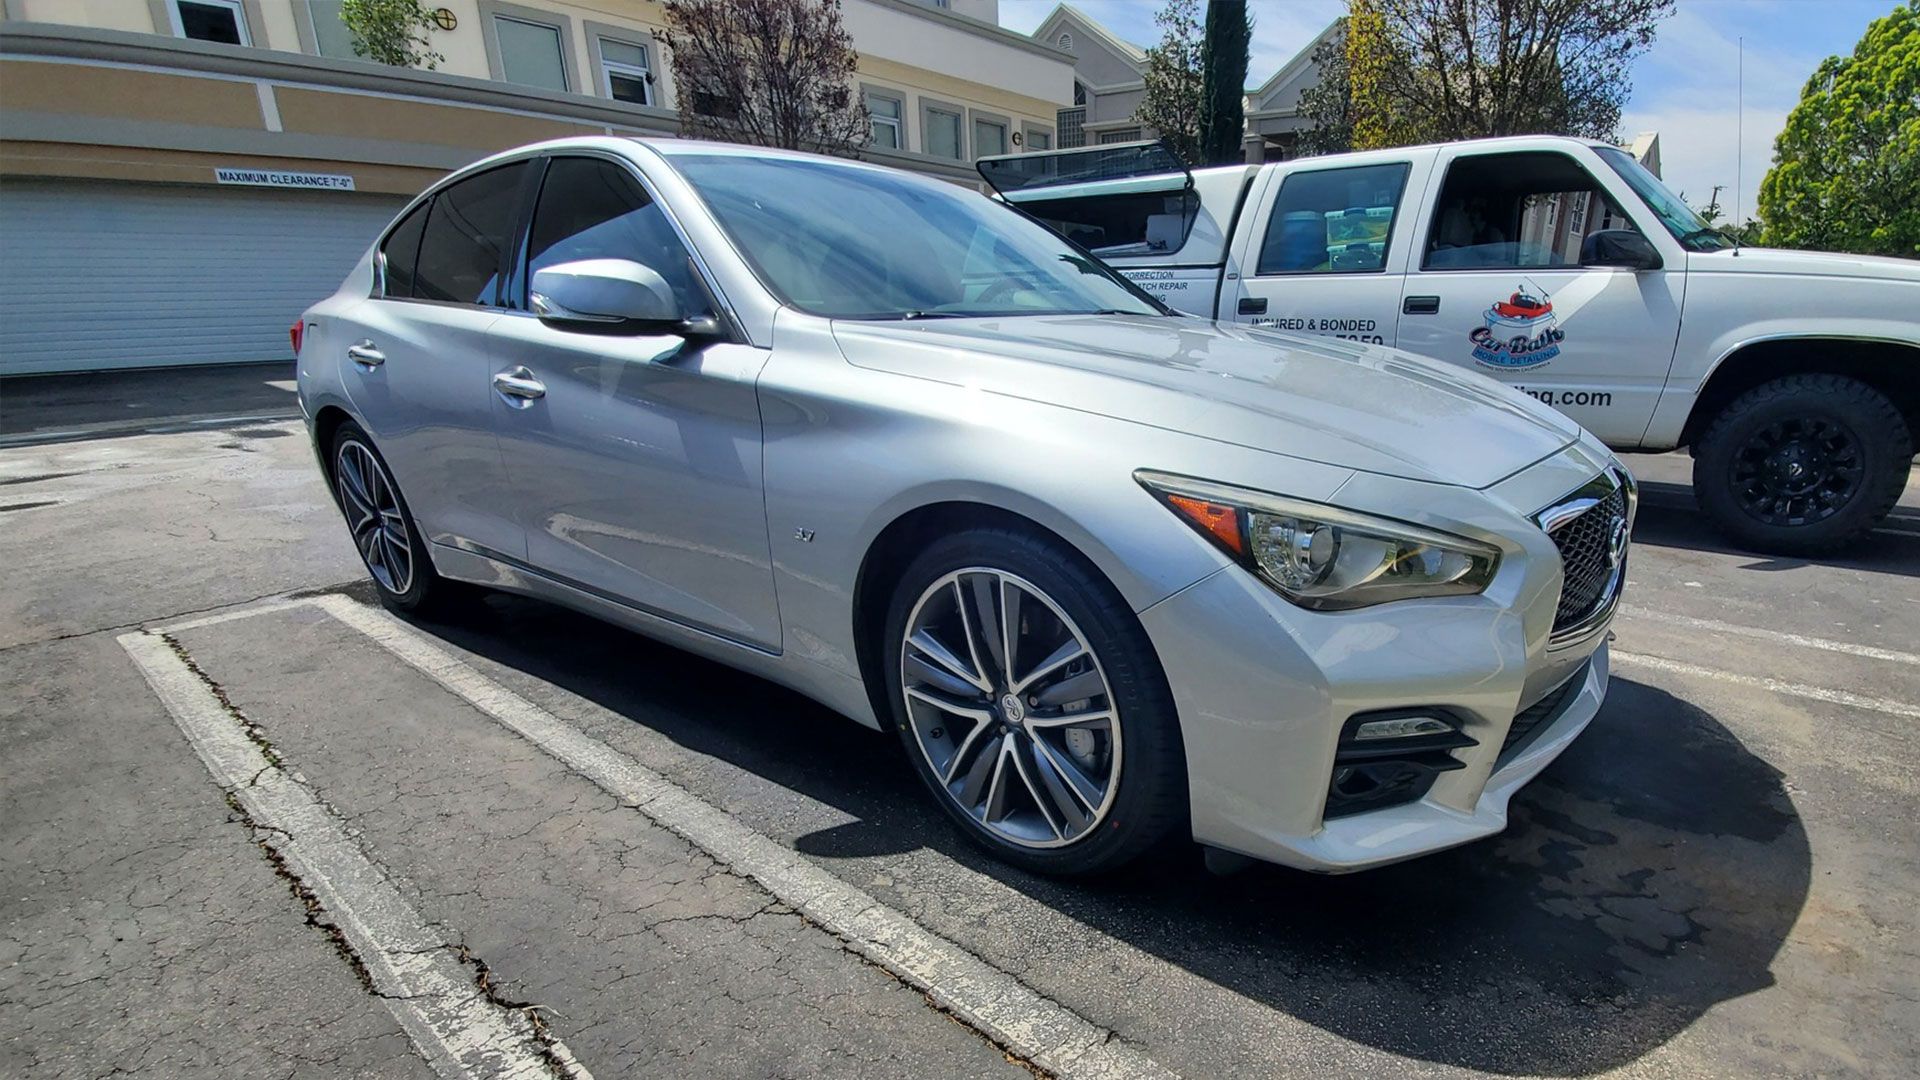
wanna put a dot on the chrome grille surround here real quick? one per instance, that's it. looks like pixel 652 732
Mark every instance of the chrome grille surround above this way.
pixel 1591 527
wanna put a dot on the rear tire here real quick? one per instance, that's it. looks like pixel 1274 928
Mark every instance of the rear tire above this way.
pixel 1802 465
pixel 1080 796
pixel 382 527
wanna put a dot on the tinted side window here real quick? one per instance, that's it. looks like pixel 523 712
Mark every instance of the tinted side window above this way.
pixel 593 209
pixel 468 229
pixel 402 250
pixel 1333 221
pixel 1517 211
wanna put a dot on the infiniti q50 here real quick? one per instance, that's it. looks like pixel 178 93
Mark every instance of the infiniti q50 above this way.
pixel 1116 576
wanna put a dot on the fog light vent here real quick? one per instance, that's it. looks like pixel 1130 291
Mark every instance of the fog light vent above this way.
pixel 1389 758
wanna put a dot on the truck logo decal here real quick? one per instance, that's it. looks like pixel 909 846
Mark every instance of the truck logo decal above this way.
pixel 1520 332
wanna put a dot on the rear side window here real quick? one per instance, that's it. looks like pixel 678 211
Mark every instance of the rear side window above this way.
pixel 1333 221
pixel 594 209
pixel 467 234
pixel 402 251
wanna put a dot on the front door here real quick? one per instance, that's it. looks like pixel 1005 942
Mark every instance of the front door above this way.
pixel 1326 249
pixel 637 470
pixel 1498 287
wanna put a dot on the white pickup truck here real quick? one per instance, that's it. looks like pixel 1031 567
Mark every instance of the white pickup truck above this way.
pixel 1558 266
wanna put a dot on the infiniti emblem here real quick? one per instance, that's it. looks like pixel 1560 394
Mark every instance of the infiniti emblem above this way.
pixel 1010 708
pixel 1617 544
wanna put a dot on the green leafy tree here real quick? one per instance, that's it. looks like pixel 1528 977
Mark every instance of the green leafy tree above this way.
pixel 1846 172
pixel 1171 103
pixel 1223 82
pixel 1435 70
pixel 391 32
pixel 1329 101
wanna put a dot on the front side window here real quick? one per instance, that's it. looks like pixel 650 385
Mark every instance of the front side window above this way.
pixel 918 248
pixel 466 237
pixel 1333 221
pixel 1529 210
pixel 210 20
pixel 530 53
pixel 1675 215
pixel 883 113
pixel 595 209
pixel 629 77
pixel 989 138
pixel 943 136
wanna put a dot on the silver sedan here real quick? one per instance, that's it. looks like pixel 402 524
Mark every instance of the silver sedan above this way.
pixel 1116 576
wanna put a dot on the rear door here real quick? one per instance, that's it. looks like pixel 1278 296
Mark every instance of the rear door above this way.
pixel 417 363
pixel 1322 247
pixel 1499 287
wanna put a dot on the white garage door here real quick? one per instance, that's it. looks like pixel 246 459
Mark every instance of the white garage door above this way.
pixel 112 275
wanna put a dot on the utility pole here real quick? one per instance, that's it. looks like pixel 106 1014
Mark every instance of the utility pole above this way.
pixel 1739 127
pixel 1713 203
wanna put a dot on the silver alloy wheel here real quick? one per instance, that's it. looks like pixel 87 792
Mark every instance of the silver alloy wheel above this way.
pixel 373 515
pixel 1010 708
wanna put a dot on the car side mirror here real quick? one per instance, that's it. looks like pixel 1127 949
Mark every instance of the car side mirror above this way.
pixel 1622 248
pixel 606 296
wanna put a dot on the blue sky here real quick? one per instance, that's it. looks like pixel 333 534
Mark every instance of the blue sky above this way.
pixel 1683 87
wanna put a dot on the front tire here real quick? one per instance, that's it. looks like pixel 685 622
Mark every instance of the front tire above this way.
pixel 1802 465
pixel 1031 704
pixel 390 543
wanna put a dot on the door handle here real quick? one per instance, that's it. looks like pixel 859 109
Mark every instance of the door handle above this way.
pixel 519 383
pixel 1252 305
pixel 1421 305
pixel 366 355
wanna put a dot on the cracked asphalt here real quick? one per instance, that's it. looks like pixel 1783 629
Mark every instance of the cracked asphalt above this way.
pixel 1718 879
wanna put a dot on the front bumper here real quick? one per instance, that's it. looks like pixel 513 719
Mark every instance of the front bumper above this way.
pixel 1263 689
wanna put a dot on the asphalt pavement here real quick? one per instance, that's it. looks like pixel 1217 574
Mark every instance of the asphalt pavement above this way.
pixel 251 825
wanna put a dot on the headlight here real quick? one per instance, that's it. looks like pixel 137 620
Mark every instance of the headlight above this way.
pixel 1324 557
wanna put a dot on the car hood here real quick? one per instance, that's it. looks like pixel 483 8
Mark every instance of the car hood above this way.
pixel 1748 260
pixel 1335 402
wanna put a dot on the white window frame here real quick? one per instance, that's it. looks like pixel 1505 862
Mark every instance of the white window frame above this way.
pixel 238 8
pixel 610 68
pixel 868 92
pixel 492 11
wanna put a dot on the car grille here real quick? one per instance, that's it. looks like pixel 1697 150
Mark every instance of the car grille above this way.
pixel 1592 557
pixel 1537 715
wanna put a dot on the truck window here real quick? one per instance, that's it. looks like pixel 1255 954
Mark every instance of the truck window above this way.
pixel 1333 221
pixel 1517 211
pixel 1132 223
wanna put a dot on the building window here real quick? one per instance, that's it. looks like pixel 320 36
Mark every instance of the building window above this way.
pixel 989 138
pixel 530 53
pixel 885 125
pixel 1039 140
pixel 1066 41
pixel 1079 94
pixel 330 35
pixel 625 73
pixel 945 133
pixel 209 20
pixel 1120 136
pixel 1073 129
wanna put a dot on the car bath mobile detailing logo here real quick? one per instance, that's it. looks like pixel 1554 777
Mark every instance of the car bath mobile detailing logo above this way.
pixel 1520 332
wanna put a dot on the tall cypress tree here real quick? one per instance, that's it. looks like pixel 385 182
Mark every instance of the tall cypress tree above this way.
pixel 1223 81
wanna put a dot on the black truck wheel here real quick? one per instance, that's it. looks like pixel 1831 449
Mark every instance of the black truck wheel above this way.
pixel 1802 465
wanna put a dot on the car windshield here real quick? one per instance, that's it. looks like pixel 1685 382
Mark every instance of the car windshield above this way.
pixel 1689 228
pixel 855 242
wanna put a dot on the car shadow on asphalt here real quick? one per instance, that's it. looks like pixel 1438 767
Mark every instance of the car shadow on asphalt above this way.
pixel 1894 548
pixel 1651 873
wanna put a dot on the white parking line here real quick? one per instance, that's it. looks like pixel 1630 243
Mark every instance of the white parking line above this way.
pixel 1036 1028
pixel 416 972
pixel 1814 693
pixel 1801 640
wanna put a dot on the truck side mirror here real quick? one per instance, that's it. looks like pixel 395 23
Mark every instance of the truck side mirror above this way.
pixel 1622 248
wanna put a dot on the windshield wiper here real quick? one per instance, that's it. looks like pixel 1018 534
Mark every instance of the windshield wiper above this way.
pixel 909 315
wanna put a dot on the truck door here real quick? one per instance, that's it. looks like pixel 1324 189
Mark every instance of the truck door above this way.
pixel 1325 248
pixel 1499 286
